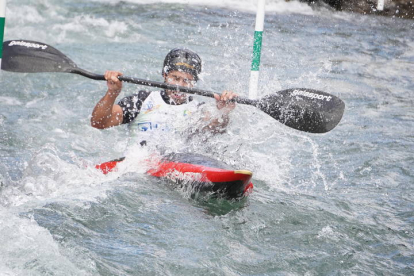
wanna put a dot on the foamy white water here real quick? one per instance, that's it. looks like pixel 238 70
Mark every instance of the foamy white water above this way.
pixel 239 5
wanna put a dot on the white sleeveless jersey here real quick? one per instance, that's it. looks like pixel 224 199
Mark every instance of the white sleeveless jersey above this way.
pixel 156 117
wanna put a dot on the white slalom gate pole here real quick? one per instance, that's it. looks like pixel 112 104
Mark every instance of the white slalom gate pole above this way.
pixel 2 25
pixel 257 50
pixel 380 5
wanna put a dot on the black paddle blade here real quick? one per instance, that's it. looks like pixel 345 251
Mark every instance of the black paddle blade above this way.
pixel 304 109
pixel 27 56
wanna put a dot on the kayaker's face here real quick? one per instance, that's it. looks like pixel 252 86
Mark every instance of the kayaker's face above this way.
pixel 179 78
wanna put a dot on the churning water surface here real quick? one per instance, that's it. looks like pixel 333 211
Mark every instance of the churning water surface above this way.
pixel 339 203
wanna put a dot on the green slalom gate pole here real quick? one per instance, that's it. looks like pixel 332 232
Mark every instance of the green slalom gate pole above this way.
pixel 257 50
pixel 2 25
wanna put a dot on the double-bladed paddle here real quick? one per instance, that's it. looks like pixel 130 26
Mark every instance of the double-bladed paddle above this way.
pixel 299 108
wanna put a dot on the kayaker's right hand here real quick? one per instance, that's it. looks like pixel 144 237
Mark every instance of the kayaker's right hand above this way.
pixel 114 84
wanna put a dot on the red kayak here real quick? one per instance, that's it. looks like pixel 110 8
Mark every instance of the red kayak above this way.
pixel 200 173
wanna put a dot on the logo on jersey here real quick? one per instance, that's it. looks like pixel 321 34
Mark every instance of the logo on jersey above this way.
pixel 147 126
pixel 187 113
pixel 151 107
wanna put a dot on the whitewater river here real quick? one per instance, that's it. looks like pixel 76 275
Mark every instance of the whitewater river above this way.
pixel 340 203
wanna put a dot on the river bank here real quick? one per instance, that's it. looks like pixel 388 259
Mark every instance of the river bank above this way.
pixel 393 8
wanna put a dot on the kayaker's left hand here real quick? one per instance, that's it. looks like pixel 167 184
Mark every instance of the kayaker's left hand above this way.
pixel 224 100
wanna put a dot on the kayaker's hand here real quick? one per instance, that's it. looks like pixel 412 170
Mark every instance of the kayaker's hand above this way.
pixel 224 101
pixel 114 84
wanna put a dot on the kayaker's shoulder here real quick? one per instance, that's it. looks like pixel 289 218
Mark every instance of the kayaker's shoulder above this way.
pixel 140 95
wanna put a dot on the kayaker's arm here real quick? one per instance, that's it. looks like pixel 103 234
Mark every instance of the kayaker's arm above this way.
pixel 225 106
pixel 217 125
pixel 106 113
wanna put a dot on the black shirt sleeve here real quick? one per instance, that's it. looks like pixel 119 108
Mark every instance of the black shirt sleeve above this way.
pixel 131 105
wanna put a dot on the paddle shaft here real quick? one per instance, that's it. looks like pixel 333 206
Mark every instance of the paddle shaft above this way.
pixel 162 85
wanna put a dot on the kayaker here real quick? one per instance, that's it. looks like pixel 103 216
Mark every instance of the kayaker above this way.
pixel 146 111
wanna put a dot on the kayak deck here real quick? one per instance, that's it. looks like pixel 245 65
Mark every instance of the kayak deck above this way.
pixel 198 173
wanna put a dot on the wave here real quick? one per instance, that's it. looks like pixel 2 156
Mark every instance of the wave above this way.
pixel 277 6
